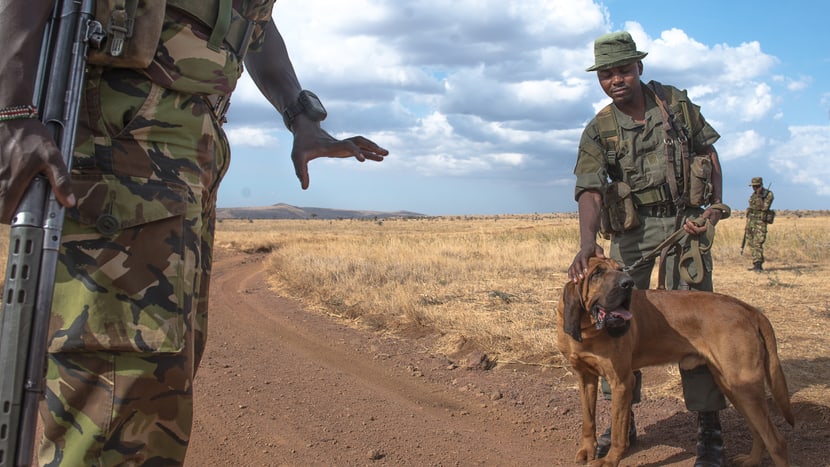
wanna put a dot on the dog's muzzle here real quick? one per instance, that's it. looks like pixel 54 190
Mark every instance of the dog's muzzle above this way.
pixel 616 318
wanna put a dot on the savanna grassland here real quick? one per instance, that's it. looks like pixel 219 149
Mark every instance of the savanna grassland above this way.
pixel 492 282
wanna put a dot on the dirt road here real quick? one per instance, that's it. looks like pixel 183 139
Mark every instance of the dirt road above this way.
pixel 282 386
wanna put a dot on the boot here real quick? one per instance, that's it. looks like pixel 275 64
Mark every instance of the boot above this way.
pixel 604 441
pixel 709 440
pixel 757 266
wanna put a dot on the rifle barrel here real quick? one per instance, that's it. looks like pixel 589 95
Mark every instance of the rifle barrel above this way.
pixel 35 234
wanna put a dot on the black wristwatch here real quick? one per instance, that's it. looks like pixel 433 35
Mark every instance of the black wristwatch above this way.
pixel 307 103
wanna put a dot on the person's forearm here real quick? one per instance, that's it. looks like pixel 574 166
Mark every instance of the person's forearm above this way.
pixel 717 177
pixel 272 71
pixel 21 33
pixel 589 217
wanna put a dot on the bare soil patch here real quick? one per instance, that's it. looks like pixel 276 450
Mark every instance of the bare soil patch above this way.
pixel 283 386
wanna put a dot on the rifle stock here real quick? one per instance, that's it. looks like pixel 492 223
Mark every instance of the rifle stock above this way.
pixel 35 234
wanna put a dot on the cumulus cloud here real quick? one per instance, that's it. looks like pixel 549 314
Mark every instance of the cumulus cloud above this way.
pixel 495 88
pixel 250 137
pixel 803 158
pixel 742 144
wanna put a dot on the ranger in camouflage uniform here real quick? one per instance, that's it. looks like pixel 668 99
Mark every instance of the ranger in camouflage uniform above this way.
pixel 757 218
pixel 634 153
pixel 131 299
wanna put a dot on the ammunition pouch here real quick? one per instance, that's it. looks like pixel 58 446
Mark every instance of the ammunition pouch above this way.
pixel 700 180
pixel 618 212
pixel 768 216
pixel 654 195
pixel 133 29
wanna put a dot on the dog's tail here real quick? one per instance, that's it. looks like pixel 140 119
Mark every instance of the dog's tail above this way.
pixel 775 374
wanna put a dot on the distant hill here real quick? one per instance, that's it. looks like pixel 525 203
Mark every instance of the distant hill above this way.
pixel 286 211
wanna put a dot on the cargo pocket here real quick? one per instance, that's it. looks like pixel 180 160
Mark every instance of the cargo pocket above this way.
pixel 120 284
pixel 620 214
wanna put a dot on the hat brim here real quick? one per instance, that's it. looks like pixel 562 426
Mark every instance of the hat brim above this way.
pixel 624 61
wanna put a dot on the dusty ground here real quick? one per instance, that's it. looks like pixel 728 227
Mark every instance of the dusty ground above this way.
pixel 282 386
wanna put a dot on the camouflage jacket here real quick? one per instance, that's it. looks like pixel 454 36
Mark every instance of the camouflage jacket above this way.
pixel 759 203
pixel 183 60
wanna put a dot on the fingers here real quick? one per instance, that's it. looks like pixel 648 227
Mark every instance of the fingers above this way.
pixel 368 148
pixel 61 185
pixel 308 148
pixel 301 170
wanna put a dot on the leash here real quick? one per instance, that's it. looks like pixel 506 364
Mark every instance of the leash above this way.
pixel 693 256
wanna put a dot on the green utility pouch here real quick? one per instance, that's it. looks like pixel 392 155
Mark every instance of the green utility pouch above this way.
pixel 768 216
pixel 700 181
pixel 618 211
pixel 133 29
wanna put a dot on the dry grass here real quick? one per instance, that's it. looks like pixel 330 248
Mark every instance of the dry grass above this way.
pixel 495 281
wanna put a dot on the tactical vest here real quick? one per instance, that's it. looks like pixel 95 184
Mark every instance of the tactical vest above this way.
pixel 133 27
pixel 688 176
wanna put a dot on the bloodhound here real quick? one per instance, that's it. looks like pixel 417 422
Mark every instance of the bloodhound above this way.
pixel 606 328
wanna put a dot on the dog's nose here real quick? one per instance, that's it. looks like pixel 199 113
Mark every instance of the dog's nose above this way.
pixel 626 282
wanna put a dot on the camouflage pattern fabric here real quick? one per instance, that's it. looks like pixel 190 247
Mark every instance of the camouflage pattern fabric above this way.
pixel 130 306
pixel 183 62
pixel 756 228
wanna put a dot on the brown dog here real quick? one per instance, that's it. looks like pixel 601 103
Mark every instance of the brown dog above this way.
pixel 606 328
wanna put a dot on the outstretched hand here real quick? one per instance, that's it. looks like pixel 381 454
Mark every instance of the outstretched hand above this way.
pixel 26 150
pixel 311 142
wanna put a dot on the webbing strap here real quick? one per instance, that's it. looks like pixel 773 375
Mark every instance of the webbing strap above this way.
pixel 218 16
pixel 607 123
pixel 223 22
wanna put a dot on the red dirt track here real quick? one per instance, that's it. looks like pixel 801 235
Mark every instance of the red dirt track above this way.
pixel 283 386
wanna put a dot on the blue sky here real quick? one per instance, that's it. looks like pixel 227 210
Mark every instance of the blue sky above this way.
pixel 481 102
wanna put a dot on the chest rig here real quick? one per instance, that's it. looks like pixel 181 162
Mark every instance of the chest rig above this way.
pixel 675 192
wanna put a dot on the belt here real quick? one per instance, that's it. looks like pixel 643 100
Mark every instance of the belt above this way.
pixel 657 210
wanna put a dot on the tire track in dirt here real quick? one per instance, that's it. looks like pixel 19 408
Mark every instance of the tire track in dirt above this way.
pixel 279 386
pixel 282 386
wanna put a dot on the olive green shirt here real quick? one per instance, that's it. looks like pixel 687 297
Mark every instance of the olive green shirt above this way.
pixel 641 155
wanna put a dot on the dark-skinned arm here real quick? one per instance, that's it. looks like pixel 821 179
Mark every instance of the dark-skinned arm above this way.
pixel 26 148
pixel 272 72
pixel 589 203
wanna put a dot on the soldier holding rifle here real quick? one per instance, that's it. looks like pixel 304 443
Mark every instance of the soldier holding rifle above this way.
pixel 129 313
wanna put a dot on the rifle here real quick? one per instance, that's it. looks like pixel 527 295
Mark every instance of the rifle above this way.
pixel 35 234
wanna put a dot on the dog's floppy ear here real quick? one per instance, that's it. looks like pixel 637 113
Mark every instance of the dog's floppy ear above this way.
pixel 572 314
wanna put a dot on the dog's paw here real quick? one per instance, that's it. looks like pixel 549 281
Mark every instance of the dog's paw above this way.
pixel 584 455
pixel 745 460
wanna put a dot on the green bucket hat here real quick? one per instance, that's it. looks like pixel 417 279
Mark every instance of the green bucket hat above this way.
pixel 615 49
pixel 757 181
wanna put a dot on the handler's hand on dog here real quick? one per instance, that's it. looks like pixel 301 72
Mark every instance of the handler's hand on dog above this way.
pixel 579 267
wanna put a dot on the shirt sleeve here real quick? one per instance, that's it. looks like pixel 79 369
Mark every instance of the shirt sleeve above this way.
pixel 591 172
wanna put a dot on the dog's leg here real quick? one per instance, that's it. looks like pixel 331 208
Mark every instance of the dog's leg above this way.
pixel 753 406
pixel 749 398
pixel 622 389
pixel 588 394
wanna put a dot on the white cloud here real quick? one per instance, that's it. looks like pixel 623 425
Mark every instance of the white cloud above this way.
pixel 804 157
pixel 250 136
pixel 741 144
pixel 498 88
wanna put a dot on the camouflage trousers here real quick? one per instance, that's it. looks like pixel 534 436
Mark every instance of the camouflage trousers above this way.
pixel 700 391
pixel 756 235
pixel 129 314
